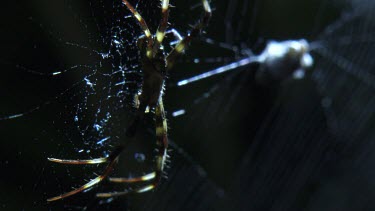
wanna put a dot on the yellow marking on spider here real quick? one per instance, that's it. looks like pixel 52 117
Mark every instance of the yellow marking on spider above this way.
pixel 206 6
pixel 93 182
pixel 146 177
pixel 180 47
pixel 149 176
pixel 159 36
pixel 165 124
pixel 145 189
pixel 165 5
pixel 148 33
pixel 138 16
pixel 149 53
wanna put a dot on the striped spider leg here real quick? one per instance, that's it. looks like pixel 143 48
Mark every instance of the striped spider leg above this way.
pixel 155 66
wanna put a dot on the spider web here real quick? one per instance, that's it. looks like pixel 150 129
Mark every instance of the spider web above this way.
pixel 297 145
pixel 70 73
pixel 279 147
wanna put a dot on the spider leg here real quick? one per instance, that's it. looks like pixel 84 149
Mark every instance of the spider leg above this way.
pixel 118 150
pixel 121 193
pixel 79 162
pixel 144 27
pixel 161 138
pixel 180 47
pixel 146 177
pixel 160 33
pixel 112 159
pixel 162 145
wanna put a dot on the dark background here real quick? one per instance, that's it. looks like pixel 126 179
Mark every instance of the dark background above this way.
pixel 242 145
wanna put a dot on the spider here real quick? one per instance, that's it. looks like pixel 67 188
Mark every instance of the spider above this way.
pixel 155 65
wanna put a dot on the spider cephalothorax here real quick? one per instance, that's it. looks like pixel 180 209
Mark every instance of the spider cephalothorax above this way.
pixel 155 65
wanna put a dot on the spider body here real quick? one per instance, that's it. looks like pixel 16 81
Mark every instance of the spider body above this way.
pixel 155 65
pixel 154 71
